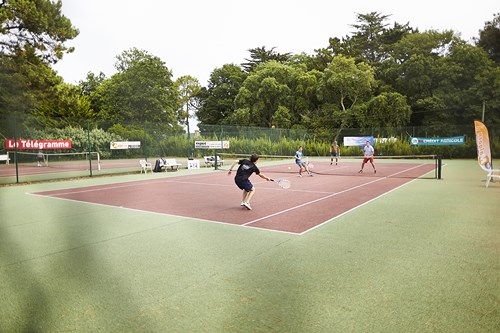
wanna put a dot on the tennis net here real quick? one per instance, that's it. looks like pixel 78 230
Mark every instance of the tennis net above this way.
pixel 70 161
pixel 405 166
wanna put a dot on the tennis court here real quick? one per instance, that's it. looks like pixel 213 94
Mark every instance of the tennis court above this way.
pixel 421 257
pixel 310 202
pixel 27 170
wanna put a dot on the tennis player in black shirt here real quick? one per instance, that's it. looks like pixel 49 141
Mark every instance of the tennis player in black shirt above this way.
pixel 245 170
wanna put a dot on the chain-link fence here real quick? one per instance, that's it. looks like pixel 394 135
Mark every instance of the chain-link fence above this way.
pixel 163 140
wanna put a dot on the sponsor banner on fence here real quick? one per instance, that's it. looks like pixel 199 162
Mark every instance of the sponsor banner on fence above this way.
pixel 454 140
pixel 22 144
pixel 125 144
pixel 483 145
pixel 357 140
pixel 211 144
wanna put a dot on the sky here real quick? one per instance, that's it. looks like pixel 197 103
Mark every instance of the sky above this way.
pixel 194 37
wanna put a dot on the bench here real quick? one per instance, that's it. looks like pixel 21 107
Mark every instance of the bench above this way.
pixel 5 158
pixel 169 163
pixel 210 161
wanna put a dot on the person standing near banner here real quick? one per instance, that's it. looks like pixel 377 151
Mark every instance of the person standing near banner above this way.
pixel 334 152
pixel 39 158
pixel 368 156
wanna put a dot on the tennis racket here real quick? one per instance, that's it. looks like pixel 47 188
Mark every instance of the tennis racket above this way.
pixel 308 164
pixel 283 183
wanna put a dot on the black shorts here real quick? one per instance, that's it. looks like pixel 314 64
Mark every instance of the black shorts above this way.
pixel 244 185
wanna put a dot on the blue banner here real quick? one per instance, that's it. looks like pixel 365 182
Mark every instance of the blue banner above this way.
pixel 357 140
pixel 453 140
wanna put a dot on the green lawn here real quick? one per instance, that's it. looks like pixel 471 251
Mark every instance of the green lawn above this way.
pixel 423 258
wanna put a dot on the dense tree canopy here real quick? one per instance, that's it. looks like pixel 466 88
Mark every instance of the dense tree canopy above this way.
pixel 32 36
pixel 379 75
pixel 489 38
pixel 34 25
pixel 141 91
pixel 217 99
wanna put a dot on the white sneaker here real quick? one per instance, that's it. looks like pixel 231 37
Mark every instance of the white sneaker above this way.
pixel 242 203
pixel 299 175
pixel 247 205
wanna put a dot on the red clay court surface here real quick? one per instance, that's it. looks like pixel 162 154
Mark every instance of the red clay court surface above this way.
pixel 309 203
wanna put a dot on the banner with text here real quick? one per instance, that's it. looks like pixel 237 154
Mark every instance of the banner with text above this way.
pixel 211 144
pixel 454 140
pixel 357 140
pixel 125 145
pixel 22 144
pixel 483 145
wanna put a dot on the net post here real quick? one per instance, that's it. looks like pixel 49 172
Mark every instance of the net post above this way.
pixel 89 148
pixel 439 164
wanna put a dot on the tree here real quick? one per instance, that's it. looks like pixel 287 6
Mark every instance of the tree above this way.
pixel 416 70
pixel 34 25
pixel 91 83
pixel 217 99
pixel 466 82
pixel 260 55
pixel 388 110
pixel 91 87
pixel 25 82
pixel 371 41
pixel 269 86
pixel 32 36
pixel 65 106
pixel 344 84
pixel 189 88
pixel 489 38
pixel 142 91
pixel 281 118
pixel 366 41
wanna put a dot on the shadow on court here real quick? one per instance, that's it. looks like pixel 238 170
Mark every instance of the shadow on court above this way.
pixel 57 273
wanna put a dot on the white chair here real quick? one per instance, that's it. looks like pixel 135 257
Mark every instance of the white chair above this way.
pixel 145 166
pixel 210 161
pixel 491 173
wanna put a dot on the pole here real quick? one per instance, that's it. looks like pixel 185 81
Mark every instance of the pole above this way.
pixel 484 109
pixel 439 161
pixel 145 143
pixel 15 149
pixel 88 145
pixel 187 119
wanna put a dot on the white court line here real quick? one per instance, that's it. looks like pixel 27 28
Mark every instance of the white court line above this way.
pixel 134 183
pixel 181 217
pixel 356 207
pixel 362 204
pixel 326 197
